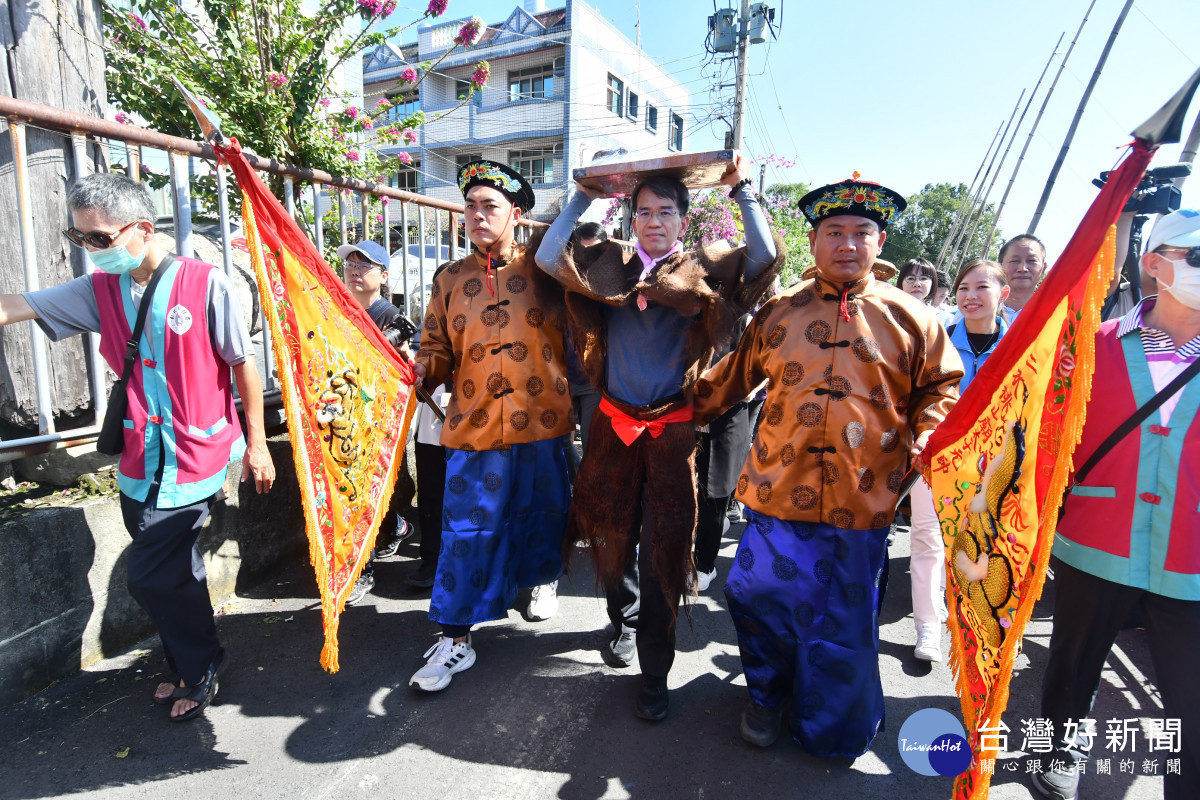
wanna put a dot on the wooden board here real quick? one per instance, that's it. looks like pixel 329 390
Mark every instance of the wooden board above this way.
pixel 696 170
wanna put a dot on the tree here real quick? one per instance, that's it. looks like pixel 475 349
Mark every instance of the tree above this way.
pixel 922 229
pixel 267 67
pixel 782 202
pixel 714 216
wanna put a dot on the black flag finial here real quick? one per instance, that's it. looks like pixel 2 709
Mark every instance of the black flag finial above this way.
pixel 1166 126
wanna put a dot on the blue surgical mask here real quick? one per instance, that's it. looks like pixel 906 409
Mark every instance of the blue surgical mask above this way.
pixel 116 260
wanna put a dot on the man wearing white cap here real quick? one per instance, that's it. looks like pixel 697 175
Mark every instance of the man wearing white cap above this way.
pixel 1127 538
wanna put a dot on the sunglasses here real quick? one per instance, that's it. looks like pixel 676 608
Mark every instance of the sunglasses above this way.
pixel 1193 254
pixel 95 239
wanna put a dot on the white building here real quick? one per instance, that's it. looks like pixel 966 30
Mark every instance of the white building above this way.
pixel 565 84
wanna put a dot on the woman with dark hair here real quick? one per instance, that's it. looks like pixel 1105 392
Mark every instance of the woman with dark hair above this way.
pixel 918 277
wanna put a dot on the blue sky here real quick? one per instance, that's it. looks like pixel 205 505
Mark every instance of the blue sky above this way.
pixel 910 93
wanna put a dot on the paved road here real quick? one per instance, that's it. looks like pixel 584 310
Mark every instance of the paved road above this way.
pixel 538 716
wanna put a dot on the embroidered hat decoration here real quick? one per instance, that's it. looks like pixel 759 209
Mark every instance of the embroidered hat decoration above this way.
pixel 498 176
pixel 853 196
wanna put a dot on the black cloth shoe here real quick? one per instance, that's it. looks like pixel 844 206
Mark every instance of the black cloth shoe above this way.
pixel 619 651
pixel 652 701
pixel 423 576
pixel 1057 782
pixel 760 725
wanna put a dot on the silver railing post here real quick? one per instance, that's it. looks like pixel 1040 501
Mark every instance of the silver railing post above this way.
pixel 421 256
pixel 181 205
pixel 364 208
pixel 37 340
pixel 79 258
pixel 319 222
pixel 223 216
pixel 408 298
pixel 289 198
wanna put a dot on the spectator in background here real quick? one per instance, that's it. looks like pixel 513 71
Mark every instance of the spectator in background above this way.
pixel 941 292
pixel 981 289
pixel 365 271
pixel 1024 260
pixel 917 277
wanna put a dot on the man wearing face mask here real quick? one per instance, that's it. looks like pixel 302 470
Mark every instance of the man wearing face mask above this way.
pixel 181 425
pixel 1127 538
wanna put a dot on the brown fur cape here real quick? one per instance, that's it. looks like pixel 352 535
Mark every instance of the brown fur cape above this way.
pixel 707 284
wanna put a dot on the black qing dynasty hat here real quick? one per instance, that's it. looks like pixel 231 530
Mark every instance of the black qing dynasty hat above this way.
pixel 853 196
pixel 497 176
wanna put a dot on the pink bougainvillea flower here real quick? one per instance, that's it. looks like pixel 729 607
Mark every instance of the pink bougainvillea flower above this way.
pixel 470 32
pixel 384 200
pixel 388 7
pixel 137 21
pixel 409 75
pixel 410 137
pixel 352 155
pixel 367 123
pixel 404 157
pixel 122 118
pixel 325 101
pixel 436 8
pixel 480 76
pixel 351 112
pixel 277 79
pixel 384 103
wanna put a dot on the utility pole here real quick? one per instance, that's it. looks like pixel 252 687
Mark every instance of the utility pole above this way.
pixel 729 33
pixel 762 178
pixel 743 48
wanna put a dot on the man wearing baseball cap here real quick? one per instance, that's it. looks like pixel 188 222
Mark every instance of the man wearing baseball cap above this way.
pixel 1127 538
pixel 365 271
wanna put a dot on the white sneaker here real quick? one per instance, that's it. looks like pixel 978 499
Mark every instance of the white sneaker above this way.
pixel 705 579
pixel 543 602
pixel 445 658
pixel 929 644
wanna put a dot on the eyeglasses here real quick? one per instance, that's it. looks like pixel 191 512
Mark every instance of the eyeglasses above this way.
pixel 665 214
pixel 917 278
pixel 96 239
pixel 361 267
pixel 1192 254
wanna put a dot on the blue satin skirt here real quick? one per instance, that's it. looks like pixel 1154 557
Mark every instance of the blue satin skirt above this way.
pixel 502 527
pixel 805 602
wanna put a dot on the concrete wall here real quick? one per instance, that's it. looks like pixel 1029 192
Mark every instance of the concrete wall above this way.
pixel 63 601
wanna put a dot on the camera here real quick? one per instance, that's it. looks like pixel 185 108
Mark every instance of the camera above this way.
pixel 399 331
pixel 1157 193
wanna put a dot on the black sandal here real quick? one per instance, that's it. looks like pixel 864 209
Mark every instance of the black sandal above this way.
pixel 201 694
pixel 166 700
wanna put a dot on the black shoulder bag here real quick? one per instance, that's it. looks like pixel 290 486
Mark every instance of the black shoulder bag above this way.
pixel 111 440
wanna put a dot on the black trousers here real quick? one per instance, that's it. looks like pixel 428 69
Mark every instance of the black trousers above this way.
pixel 711 522
pixel 167 579
pixel 1089 612
pixel 637 602
pixel 431 488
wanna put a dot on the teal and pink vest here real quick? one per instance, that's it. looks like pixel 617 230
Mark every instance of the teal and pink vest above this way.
pixel 1136 522
pixel 181 411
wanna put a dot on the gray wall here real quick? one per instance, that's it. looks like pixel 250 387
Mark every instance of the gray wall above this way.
pixel 63 601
